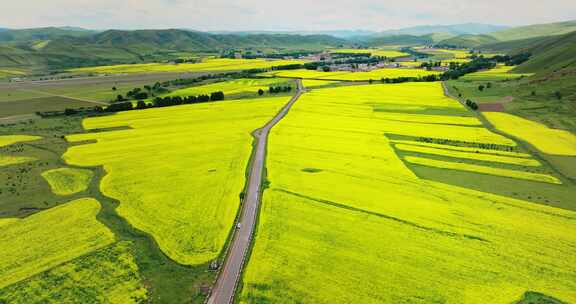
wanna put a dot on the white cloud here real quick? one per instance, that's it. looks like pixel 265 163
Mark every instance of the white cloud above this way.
pixel 278 15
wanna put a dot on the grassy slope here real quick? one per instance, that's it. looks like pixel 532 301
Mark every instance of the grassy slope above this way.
pixel 537 30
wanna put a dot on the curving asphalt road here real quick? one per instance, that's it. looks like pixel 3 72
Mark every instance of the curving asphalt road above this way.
pixel 225 287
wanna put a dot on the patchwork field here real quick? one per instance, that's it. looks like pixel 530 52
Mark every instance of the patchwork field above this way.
pixel 550 141
pixel 346 220
pixel 6 140
pixel 232 87
pixel 373 52
pixel 500 72
pixel 108 275
pixel 49 238
pixel 206 65
pixel 352 76
pixel 179 181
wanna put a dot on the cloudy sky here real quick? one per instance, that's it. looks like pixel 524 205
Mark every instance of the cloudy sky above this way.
pixel 278 15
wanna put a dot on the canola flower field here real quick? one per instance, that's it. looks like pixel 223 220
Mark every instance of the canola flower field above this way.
pixel 218 64
pixel 500 72
pixel 232 87
pixel 351 76
pixel 373 52
pixel 49 238
pixel 383 235
pixel 107 275
pixel 547 140
pixel 178 181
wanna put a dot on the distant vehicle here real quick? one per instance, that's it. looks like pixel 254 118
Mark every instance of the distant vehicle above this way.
pixel 238 226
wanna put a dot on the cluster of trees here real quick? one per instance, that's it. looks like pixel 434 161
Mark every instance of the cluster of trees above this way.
pixel 459 143
pixel 162 102
pixel 471 104
pixel 186 60
pixel 430 65
pixel 142 93
pixel 427 78
pixel 512 59
pixel 179 100
pixel 457 71
pixel 278 89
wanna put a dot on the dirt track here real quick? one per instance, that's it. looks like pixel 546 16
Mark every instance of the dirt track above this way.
pixel 225 287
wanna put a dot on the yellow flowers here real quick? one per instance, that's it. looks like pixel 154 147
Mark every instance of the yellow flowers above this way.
pixel 6 140
pixel 66 181
pixel 206 65
pixel 352 76
pixel 483 169
pixel 177 171
pixel 346 221
pixel 373 52
pixel 500 72
pixel 549 141
pixel 237 86
pixel 49 238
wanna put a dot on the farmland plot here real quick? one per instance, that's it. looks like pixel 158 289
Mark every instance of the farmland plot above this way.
pixel 207 65
pixel 177 171
pixel 49 238
pixel 345 219
pixel 547 140
pixel 352 76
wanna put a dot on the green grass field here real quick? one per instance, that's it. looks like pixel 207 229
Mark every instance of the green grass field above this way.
pixel 346 220
pixel 178 181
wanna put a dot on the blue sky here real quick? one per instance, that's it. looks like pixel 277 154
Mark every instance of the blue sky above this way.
pixel 278 15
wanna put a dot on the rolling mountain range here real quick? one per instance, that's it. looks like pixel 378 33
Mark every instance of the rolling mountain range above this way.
pixel 57 48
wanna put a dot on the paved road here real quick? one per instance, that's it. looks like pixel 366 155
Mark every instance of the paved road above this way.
pixel 223 291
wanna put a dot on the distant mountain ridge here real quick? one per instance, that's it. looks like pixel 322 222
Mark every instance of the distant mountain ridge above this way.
pixel 454 29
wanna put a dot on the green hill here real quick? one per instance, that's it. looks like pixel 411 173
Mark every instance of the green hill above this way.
pixel 45 33
pixel 467 41
pixel 553 54
pixel 56 48
pixel 531 31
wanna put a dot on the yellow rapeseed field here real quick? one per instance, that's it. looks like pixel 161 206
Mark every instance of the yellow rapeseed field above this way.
pixel 352 76
pixel 483 169
pixel 500 72
pixel 6 140
pixel 469 155
pixel 344 220
pixel 549 141
pixel 237 86
pixel 206 65
pixel 109 274
pixel 373 52
pixel 49 238
pixel 177 171
pixel 13 160
pixel 66 181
